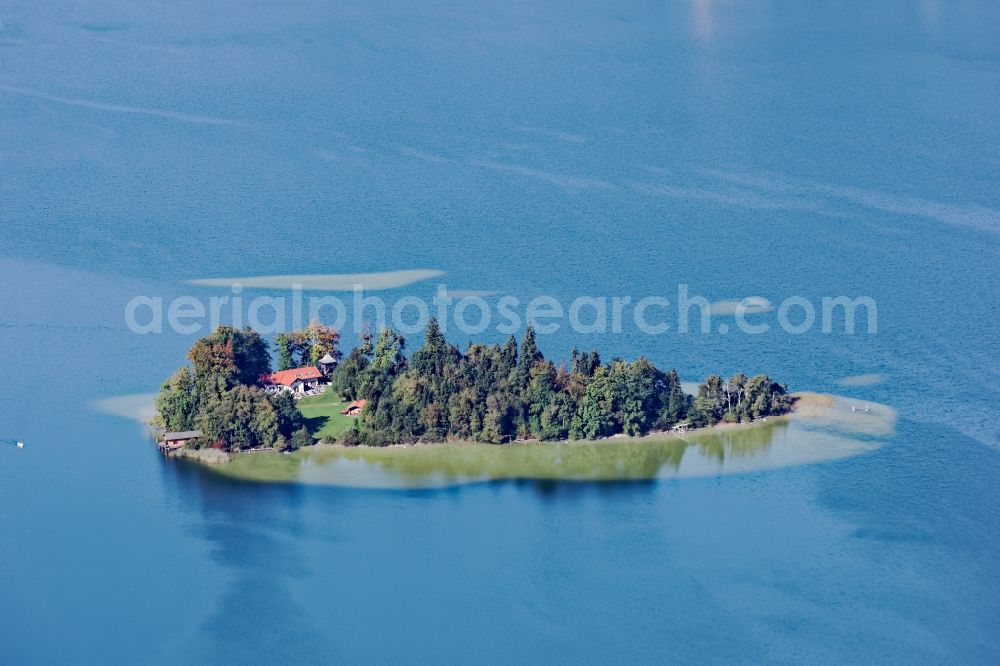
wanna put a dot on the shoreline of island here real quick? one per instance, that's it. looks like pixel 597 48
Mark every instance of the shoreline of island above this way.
pixel 228 404
pixel 826 428
pixel 822 427
pixel 806 404
pixel 211 456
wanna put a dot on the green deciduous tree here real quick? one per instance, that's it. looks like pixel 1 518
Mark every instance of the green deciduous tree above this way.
pixel 237 356
pixel 239 419
pixel 177 402
pixel 299 439
pixel 283 345
pixel 221 397
pixel 346 380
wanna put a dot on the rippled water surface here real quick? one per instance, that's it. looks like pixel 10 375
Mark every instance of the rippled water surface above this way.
pixel 744 148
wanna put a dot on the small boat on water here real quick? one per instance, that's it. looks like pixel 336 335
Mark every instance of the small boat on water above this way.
pixel 20 444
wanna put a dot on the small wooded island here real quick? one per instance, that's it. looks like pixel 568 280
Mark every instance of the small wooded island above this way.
pixel 229 400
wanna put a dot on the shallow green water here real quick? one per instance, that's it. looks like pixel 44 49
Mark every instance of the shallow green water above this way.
pixel 833 432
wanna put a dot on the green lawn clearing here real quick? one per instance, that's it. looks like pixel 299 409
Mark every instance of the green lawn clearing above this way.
pixel 323 417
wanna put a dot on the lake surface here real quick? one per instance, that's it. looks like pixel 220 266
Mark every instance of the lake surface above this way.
pixel 745 149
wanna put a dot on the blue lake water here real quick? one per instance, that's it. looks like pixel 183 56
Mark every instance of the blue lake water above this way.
pixel 744 148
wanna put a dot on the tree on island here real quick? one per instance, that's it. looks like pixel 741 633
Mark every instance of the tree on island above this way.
pixel 489 393
pixel 220 394
pixel 234 355
pixel 177 402
pixel 300 438
pixel 346 381
pixel 499 393
pixel 298 349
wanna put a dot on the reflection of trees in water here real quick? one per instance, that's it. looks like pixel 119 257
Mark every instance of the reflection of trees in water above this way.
pixel 738 442
pixel 253 530
pixel 644 460
pixel 435 465
pixel 550 489
pixel 577 461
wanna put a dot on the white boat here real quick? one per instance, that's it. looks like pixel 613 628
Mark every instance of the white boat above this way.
pixel 20 445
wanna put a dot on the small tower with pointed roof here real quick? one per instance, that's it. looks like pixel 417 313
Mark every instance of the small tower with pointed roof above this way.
pixel 327 364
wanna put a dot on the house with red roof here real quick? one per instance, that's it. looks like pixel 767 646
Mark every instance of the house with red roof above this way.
pixel 299 381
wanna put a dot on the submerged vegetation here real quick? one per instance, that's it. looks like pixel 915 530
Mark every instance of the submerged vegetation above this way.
pixel 490 393
pixel 429 465
pixel 822 427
